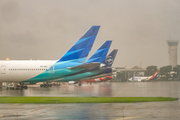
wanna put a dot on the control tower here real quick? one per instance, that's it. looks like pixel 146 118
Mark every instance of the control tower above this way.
pixel 173 47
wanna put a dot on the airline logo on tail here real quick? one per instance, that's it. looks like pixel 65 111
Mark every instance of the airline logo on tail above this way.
pixel 154 76
pixel 110 58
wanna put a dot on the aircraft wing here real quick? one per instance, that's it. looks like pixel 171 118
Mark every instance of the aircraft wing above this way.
pixel 86 66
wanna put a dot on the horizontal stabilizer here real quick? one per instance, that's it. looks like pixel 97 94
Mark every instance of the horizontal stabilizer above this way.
pixel 86 66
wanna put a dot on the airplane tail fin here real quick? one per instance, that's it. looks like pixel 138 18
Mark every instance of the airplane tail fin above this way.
pixel 80 50
pixel 100 54
pixel 154 76
pixel 110 58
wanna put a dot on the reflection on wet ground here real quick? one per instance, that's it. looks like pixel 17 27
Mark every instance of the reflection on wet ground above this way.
pixel 116 89
pixel 105 111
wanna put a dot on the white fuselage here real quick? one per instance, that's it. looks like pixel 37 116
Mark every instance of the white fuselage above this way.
pixel 138 79
pixel 20 70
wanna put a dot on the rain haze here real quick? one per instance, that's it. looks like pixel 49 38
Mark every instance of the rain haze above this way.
pixel 46 29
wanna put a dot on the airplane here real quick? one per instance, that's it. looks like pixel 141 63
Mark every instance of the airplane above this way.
pixel 102 72
pixel 147 78
pixel 102 79
pixel 98 57
pixel 106 63
pixel 27 72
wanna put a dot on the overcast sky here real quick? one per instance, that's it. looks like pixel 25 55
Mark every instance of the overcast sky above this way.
pixel 46 29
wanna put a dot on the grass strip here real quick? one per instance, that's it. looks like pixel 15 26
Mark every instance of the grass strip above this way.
pixel 59 100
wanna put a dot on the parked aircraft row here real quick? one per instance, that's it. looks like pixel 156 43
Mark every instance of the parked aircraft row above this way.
pixel 71 67
pixel 100 77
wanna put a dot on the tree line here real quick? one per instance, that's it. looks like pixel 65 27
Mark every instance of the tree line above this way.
pixel 165 72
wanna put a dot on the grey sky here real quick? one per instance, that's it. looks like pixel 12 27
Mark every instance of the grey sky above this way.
pixel 46 29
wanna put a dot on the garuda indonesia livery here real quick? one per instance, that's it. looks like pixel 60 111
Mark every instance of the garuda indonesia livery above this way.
pixel 98 56
pixel 148 78
pixel 33 71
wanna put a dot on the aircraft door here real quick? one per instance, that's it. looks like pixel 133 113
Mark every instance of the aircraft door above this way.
pixel 3 69
pixel 51 69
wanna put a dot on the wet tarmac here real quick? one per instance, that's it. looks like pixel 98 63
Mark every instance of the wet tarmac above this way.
pixel 101 111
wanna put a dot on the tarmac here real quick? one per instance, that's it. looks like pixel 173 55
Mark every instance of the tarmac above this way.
pixel 97 111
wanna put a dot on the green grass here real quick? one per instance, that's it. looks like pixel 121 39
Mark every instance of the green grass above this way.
pixel 58 100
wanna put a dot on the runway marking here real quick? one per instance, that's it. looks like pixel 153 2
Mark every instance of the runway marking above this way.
pixel 121 90
pixel 35 111
pixel 124 108
pixel 126 118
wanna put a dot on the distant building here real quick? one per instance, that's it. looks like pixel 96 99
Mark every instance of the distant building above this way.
pixel 128 73
pixel 139 73
pixel 136 67
pixel 173 47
